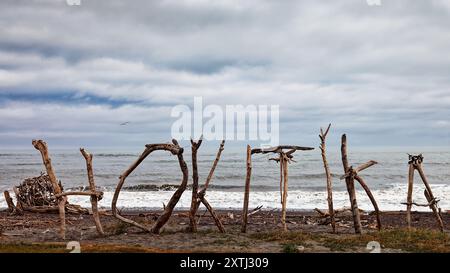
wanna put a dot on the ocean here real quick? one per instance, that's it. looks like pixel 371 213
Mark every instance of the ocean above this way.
pixel 150 185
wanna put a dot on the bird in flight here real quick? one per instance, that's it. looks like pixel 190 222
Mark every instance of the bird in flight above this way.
pixel 124 123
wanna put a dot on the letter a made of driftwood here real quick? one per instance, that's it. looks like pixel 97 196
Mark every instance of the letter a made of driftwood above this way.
pixel 350 176
pixel 284 158
pixel 415 164
pixel 199 196
pixel 173 148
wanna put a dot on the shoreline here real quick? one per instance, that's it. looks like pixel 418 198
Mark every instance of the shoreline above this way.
pixel 307 232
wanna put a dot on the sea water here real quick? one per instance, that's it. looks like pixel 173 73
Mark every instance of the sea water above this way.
pixel 155 180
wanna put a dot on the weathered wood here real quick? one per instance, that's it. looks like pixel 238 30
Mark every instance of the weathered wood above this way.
pixel 175 149
pixel 213 167
pixel 19 205
pixel 200 196
pixel 162 220
pixel 214 215
pixel 349 181
pixel 284 162
pixel 41 146
pixel 193 211
pixel 94 197
pixel 280 148
pixel 82 193
pixel 429 195
pixel 281 178
pixel 372 199
pixel 12 209
pixel 409 196
pixel 323 136
pixel 247 189
pixel 360 168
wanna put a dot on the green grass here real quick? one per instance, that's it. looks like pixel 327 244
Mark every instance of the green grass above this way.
pixel 289 248
pixel 414 240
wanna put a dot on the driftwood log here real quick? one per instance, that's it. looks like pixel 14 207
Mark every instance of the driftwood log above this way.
pixel 350 183
pixel 415 164
pixel 247 189
pixel 193 211
pixel 284 157
pixel 41 146
pixel 12 209
pixel 323 136
pixel 174 149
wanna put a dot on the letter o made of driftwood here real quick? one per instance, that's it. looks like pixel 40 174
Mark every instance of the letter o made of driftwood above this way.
pixel 175 149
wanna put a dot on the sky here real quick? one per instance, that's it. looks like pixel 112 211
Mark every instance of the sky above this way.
pixel 72 74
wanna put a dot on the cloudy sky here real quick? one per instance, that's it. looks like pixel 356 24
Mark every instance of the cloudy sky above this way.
pixel 72 74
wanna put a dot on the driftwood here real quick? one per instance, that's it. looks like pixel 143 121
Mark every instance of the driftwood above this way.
pixel 284 162
pixel 415 164
pixel 41 146
pixel 350 183
pixel 372 199
pixel 193 211
pixel 95 196
pixel 199 196
pixel 174 149
pixel 247 189
pixel 323 136
pixel 352 174
pixel 12 209
pixel 214 215
pixel 45 194
pixel 284 157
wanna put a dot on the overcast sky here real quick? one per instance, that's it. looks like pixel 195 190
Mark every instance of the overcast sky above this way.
pixel 72 74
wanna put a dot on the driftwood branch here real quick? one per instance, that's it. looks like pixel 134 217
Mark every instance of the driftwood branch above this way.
pixel 247 189
pixel 12 209
pixel 429 194
pixel 193 211
pixel 254 211
pixel 372 199
pixel 41 146
pixel 284 162
pixel 360 168
pixel 279 149
pixel 95 196
pixel 214 215
pixel 349 181
pixel 323 136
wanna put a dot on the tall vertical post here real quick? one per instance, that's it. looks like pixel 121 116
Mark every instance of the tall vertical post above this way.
pixel 247 189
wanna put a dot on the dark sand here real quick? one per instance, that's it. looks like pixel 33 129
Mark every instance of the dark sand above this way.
pixel 308 232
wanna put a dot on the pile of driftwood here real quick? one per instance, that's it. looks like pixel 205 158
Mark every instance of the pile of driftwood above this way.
pixel 37 195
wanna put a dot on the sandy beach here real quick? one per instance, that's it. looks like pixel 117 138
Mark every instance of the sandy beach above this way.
pixel 307 232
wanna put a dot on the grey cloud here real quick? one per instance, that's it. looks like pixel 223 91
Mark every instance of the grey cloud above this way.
pixel 380 71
